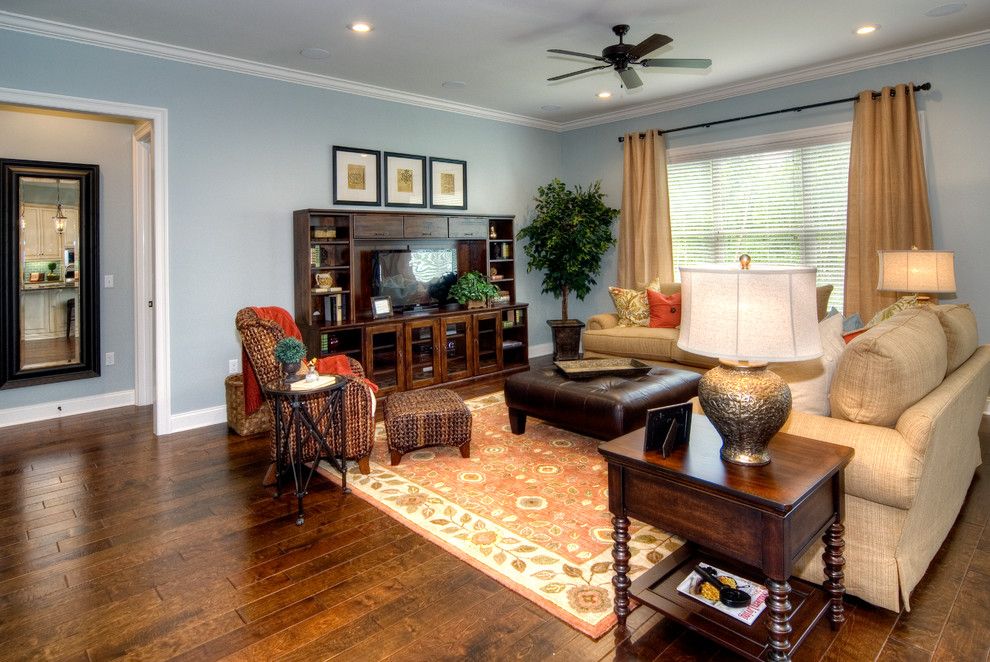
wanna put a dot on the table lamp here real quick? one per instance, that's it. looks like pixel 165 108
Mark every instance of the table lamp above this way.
pixel 746 317
pixel 923 272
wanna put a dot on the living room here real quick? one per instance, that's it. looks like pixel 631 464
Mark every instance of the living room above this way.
pixel 239 148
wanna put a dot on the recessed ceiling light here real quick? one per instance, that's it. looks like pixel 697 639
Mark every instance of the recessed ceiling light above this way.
pixel 315 53
pixel 550 107
pixel 604 95
pixel 867 29
pixel 945 10
pixel 453 84
pixel 360 26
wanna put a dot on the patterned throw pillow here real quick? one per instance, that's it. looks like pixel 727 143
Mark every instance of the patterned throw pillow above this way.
pixel 632 306
pixel 901 304
pixel 665 311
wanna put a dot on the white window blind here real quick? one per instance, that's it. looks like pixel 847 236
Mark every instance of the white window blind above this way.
pixel 781 206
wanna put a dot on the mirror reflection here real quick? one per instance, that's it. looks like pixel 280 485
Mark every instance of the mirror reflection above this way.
pixel 49 286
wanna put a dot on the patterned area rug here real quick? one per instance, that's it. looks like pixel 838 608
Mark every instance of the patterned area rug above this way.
pixel 531 511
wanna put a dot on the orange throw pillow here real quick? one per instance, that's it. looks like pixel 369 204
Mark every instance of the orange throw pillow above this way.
pixel 665 311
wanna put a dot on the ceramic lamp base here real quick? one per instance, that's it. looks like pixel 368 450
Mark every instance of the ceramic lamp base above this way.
pixel 747 404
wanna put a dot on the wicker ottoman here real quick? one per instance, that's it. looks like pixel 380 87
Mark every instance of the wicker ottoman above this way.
pixel 416 419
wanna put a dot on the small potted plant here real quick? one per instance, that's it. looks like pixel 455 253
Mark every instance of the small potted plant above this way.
pixel 290 352
pixel 473 289
pixel 52 266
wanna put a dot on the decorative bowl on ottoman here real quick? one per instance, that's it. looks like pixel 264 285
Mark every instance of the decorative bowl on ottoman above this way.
pixel 430 417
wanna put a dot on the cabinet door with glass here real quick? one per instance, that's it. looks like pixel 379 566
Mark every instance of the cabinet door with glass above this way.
pixel 487 342
pixel 457 355
pixel 383 357
pixel 422 353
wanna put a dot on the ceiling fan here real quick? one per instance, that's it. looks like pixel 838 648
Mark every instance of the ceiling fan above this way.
pixel 620 56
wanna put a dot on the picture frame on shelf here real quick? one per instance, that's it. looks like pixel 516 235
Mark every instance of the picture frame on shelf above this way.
pixel 405 180
pixel 448 183
pixel 381 307
pixel 356 176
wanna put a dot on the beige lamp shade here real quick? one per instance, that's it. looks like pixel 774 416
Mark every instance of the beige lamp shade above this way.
pixel 917 271
pixel 765 313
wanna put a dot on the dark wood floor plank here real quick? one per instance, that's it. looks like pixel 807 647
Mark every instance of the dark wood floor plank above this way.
pixel 115 544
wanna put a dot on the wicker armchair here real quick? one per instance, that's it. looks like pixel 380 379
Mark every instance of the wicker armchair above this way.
pixel 259 337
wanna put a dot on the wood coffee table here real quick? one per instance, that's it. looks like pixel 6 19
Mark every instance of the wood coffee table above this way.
pixel 751 521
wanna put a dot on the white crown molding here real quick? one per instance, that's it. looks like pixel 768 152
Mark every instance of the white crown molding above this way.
pixel 787 78
pixel 64 31
pixel 67 407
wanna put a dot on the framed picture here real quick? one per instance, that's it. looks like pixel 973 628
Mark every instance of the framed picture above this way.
pixel 381 307
pixel 405 180
pixel 448 183
pixel 355 176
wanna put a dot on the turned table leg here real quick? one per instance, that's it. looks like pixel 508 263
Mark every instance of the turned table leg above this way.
pixel 779 624
pixel 620 552
pixel 834 563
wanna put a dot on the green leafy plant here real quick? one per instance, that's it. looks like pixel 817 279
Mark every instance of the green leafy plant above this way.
pixel 568 237
pixel 52 266
pixel 472 286
pixel 289 350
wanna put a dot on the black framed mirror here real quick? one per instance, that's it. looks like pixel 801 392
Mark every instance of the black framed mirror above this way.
pixel 49 272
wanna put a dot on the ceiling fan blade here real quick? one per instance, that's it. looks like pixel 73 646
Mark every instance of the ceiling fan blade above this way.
pixel 630 79
pixel 582 71
pixel 648 45
pixel 687 63
pixel 576 54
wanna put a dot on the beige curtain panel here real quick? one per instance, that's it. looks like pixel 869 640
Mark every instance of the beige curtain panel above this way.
pixel 644 226
pixel 888 194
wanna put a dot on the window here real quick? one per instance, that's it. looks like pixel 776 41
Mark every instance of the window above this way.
pixel 781 199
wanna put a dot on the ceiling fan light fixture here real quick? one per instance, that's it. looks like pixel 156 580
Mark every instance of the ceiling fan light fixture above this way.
pixel 867 29
pixel 360 26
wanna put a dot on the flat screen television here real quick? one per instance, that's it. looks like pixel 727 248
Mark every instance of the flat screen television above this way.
pixel 415 278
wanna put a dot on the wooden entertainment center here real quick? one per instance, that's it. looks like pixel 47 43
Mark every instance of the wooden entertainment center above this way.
pixel 334 252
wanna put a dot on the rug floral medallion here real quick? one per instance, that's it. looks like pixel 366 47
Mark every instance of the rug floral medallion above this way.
pixel 529 510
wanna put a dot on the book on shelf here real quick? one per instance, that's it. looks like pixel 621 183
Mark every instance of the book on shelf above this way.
pixel 691 587
pixel 314 256
pixel 334 308
pixel 326 290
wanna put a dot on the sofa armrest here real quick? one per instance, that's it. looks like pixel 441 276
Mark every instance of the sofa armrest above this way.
pixel 603 321
pixel 885 468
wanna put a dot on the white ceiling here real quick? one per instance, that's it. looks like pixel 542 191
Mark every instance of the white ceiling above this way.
pixel 498 47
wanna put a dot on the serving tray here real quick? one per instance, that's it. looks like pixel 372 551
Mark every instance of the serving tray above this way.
pixel 590 368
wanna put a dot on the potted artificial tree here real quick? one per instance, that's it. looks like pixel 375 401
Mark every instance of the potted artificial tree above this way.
pixel 290 352
pixel 473 289
pixel 566 240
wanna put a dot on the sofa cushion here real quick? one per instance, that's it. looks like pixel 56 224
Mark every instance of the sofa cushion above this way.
pixel 665 310
pixel 903 303
pixel 889 368
pixel 822 294
pixel 632 306
pixel 811 380
pixel 634 341
pixel 961 336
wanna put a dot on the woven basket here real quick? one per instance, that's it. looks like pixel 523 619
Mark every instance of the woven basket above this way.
pixel 237 421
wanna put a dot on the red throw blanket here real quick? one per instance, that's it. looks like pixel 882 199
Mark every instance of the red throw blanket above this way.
pixel 336 364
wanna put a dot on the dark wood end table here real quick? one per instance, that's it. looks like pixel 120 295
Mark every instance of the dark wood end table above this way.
pixel 743 519
pixel 289 451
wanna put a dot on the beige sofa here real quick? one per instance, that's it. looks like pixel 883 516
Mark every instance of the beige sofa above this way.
pixel 603 338
pixel 908 396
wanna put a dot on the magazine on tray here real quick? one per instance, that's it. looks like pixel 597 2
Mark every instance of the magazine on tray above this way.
pixel 691 586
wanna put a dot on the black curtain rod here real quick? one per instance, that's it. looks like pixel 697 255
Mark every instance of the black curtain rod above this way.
pixel 795 109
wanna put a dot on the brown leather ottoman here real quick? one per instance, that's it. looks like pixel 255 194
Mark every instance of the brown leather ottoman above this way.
pixel 602 407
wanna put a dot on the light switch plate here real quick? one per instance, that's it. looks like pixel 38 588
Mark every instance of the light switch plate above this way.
pixel 109 359
pixel 108 280
pixel 233 366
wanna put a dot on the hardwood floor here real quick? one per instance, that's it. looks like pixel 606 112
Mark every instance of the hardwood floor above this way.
pixel 116 544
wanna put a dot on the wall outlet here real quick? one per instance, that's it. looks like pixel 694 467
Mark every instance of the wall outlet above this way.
pixel 233 366
pixel 108 281
pixel 108 359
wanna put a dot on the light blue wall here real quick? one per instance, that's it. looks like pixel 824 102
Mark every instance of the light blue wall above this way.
pixel 957 117
pixel 243 153
pixel 45 137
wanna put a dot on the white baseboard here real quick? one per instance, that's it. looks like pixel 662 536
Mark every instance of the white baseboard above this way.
pixel 540 350
pixel 197 418
pixel 69 407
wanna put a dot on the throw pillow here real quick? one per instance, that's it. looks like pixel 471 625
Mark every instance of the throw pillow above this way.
pixel 632 306
pixel 665 311
pixel 810 381
pixel 901 304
